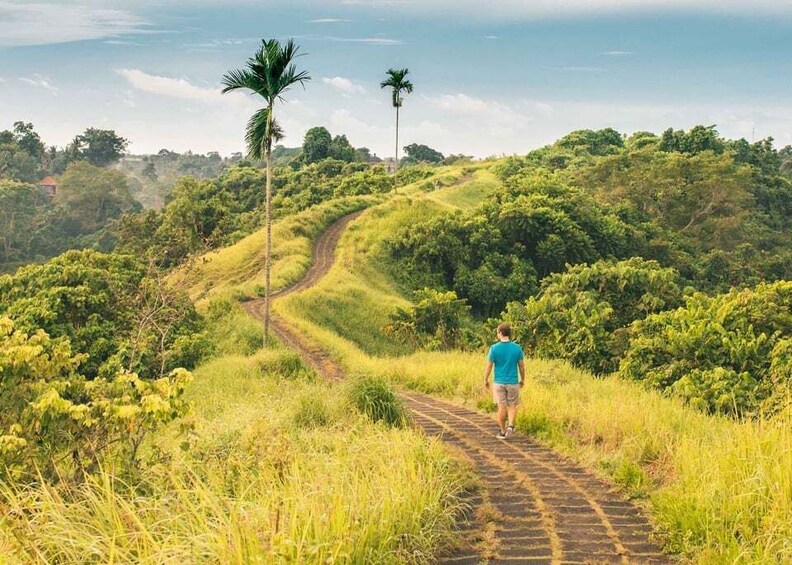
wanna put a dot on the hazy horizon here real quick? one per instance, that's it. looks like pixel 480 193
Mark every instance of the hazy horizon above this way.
pixel 489 80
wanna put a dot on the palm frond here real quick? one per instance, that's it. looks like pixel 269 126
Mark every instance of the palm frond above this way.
pixel 270 72
pixel 240 78
pixel 396 80
pixel 258 141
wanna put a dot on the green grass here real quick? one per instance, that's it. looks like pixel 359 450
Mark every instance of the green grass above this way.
pixel 278 471
pixel 468 195
pixel 356 298
pixel 277 466
pixel 238 270
pixel 719 490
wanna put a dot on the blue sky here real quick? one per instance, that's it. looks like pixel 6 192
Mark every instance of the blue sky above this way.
pixel 491 78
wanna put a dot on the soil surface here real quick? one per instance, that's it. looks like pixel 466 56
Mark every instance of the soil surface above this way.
pixel 535 505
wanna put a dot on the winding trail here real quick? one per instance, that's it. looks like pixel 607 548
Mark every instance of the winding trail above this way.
pixel 535 505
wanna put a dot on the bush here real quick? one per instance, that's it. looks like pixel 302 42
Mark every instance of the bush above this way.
pixel 582 315
pixel 109 306
pixel 435 322
pixel 373 397
pixel 56 424
pixel 728 353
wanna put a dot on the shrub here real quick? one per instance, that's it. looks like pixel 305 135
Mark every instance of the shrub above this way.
pixel 582 315
pixel 110 306
pixel 728 353
pixel 435 322
pixel 59 425
pixel 373 397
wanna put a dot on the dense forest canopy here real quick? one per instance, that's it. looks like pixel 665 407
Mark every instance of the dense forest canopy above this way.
pixel 623 253
pixel 594 247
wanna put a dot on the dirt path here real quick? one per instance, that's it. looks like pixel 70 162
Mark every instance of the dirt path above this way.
pixel 535 506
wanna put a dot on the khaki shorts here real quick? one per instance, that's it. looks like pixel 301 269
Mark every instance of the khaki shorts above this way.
pixel 506 394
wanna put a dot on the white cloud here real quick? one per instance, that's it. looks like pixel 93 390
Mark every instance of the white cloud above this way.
pixel 490 114
pixel 364 40
pixel 536 9
pixel 578 69
pixel 40 82
pixel 618 53
pixel 328 21
pixel 369 40
pixel 491 37
pixel 47 23
pixel 179 88
pixel 2 79
pixel 344 85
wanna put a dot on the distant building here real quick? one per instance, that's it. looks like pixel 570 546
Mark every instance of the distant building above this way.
pixel 49 186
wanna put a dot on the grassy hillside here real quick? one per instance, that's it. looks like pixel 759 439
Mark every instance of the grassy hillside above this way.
pixel 275 465
pixel 238 270
pixel 720 489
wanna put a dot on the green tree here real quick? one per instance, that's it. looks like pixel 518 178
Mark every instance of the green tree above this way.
pixel 269 73
pixel 341 149
pixel 726 353
pixel 398 83
pixel 28 140
pixel 363 155
pixel 100 147
pixel 703 197
pixel 89 196
pixel 582 315
pixel 595 142
pixel 21 154
pixel 418 153
pixel 436 321
pixel 316 145
pixel 697 140
pixel 58 426
pixel 18 212
pixel 111 307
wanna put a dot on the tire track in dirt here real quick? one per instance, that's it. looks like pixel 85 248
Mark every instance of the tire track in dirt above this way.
pixel 535 506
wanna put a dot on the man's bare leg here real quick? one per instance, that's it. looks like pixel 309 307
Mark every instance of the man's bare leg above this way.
pixel 512 411
pixel 502 413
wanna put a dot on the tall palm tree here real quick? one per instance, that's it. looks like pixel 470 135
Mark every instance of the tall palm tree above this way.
pixel 399 84
pixel 269 73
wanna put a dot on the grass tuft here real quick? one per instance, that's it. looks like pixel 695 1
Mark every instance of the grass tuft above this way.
pixel 373 397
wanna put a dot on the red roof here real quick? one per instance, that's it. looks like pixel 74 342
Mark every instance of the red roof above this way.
pixel 48 181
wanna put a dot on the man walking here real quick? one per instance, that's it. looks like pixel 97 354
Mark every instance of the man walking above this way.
pixel 507 358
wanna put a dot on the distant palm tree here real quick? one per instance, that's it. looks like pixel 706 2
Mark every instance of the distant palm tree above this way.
pixel 397 82
pixel 269 73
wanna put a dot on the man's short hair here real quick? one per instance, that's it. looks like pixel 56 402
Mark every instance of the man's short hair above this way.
pixel 504 329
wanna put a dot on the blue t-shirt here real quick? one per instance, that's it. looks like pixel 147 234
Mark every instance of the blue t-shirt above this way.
pixel 505 355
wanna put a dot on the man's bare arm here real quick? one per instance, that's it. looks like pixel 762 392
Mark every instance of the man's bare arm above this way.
pixel 487 372
pixel 521 367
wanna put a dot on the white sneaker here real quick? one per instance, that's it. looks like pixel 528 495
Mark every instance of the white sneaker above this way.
pixel 509 431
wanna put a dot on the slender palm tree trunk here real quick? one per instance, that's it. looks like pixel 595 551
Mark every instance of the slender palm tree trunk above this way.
pixel 268 223
pixel 396 165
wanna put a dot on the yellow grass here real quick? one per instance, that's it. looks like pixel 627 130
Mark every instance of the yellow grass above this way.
pixel 720 490
pixel 281 469
pixel 238 270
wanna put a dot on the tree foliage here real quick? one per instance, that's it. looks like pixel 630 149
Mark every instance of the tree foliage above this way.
pixel 498 252
pixel 100 147
pixel 583 314
pixel 89 196
pixel 57 425
pixel 19 206
pixel 726 353
pixel 418 153
pixel 111 308
pixel 435 322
